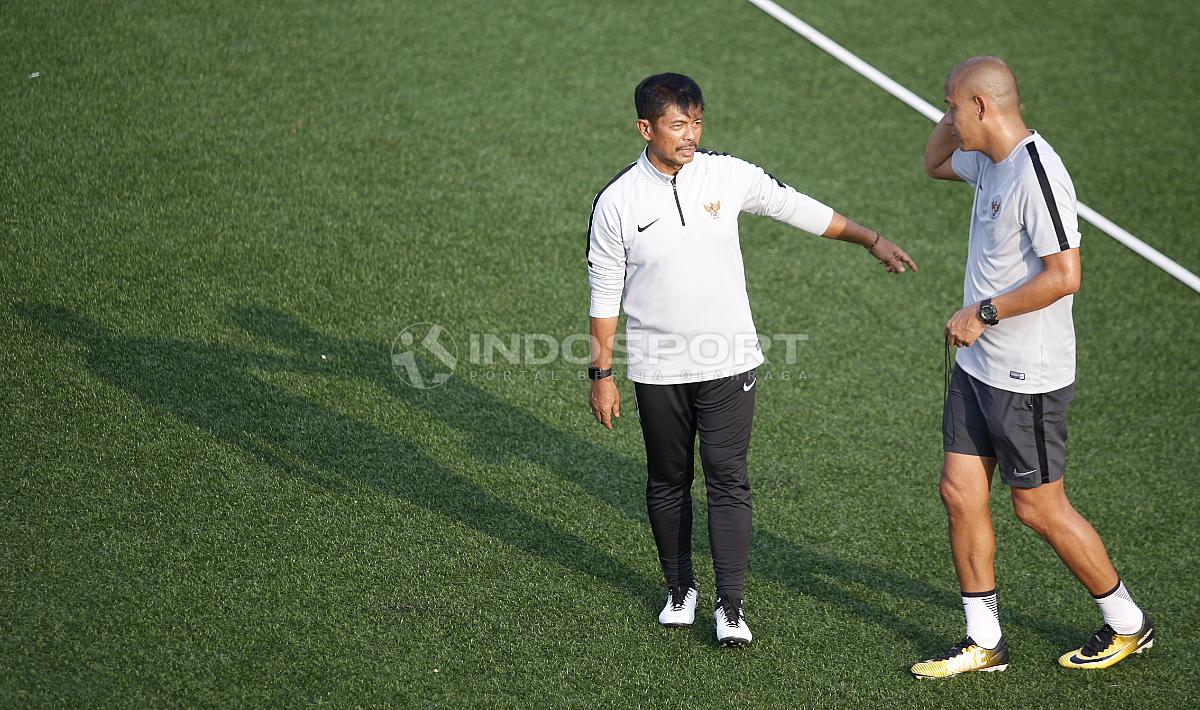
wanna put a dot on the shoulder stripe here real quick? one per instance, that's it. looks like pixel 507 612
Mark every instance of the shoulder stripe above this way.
pixel 587 248
pixel 779 182
pixel 1048 194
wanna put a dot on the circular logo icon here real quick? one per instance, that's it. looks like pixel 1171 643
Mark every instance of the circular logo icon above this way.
pixel 424 355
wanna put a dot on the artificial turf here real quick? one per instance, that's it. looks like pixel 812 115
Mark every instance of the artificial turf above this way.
pixel 218 218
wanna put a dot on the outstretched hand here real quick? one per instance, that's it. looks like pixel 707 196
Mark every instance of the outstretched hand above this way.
pixel 893 258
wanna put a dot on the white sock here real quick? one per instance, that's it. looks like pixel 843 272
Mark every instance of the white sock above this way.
pixel 1120 611
pixel 983 620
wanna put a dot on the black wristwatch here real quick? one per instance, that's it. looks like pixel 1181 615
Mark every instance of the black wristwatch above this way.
pixel 599 373
pixel 987 312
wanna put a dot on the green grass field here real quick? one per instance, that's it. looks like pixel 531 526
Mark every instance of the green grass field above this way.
pixel 217 492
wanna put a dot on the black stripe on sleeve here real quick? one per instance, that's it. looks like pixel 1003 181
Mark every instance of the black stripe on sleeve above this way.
pixel 587 247
pixel 779 182
pixel 1048 194
pixel 1039 437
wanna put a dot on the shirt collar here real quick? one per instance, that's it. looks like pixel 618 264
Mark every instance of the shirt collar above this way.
pixel 1027 139
pixel 651 173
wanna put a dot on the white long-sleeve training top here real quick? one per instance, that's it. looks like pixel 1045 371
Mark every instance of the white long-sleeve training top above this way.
pixel 670 245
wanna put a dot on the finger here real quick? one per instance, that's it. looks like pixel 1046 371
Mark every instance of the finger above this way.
pixel 616 409
pixel 908 260
pixel 605 420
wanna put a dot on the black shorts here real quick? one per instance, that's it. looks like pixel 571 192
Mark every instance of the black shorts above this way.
pixel 1025 433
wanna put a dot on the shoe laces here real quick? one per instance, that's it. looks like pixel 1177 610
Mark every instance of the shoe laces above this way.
pixel 733 612
pixel 1099 641
pixel 677 597
pixel 956 650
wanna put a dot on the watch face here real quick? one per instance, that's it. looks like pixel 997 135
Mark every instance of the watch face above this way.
pixel 988 312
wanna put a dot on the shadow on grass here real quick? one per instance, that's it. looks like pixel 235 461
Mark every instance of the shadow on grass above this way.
pixel 215 388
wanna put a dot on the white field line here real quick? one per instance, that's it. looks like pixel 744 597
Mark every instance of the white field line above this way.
pixel 927 110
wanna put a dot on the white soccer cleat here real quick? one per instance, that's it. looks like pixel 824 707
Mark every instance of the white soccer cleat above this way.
pixel 680 609
pixel 732 629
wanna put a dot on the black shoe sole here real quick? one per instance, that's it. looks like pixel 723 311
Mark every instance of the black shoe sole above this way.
pixel 734 643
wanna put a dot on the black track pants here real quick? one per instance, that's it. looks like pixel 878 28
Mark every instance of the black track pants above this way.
pixel 671 415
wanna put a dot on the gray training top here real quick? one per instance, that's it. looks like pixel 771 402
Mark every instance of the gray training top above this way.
pixel 1024 209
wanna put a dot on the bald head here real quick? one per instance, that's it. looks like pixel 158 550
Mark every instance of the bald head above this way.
pixel 988 77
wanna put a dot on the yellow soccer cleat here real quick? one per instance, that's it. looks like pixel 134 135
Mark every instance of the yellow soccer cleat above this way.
pixel 965 657
pixel 1107 648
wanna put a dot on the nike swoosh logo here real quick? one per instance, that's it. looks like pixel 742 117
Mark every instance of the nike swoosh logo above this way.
pixel 1076 659
pixel 1022 475
pixel 749 385
pixel 648 226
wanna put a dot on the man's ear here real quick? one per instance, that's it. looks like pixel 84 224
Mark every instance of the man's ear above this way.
pixel 980 106
pixel 643 127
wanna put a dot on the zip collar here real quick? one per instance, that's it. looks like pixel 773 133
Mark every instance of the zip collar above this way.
pixel 653 174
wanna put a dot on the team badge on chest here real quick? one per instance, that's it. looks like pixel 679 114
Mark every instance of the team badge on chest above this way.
pixel 713 209
pixel 995 206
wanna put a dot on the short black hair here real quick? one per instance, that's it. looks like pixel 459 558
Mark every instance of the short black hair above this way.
pixel 659 92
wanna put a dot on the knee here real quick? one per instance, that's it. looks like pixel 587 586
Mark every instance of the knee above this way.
pixel 724 469
pixel 1033 516
pixel 669 478
pixel 956 497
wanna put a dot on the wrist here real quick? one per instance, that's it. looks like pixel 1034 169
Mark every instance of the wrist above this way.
pixel 873 242
pixel 598 374
pixel 986 313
